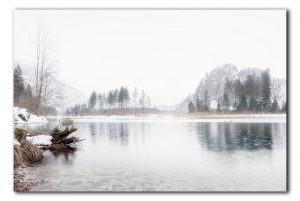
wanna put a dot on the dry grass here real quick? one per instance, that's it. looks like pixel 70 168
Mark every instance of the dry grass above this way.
pixel 19 134
pixel 18 156
pixel 67 122
pixel 24 154
pixel 30 152
pixel 21 184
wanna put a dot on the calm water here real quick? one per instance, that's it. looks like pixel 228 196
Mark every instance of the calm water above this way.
pixel 169 156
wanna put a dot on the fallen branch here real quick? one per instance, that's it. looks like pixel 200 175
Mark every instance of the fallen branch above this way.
pixel 61 141
pixel 58 136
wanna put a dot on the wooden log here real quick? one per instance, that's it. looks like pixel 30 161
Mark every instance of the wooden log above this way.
pixel 58 135
pixel 60 140
pixel 55 130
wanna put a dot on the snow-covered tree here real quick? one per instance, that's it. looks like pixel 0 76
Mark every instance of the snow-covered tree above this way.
pixel 110 98
pixel 266 90
pixel 191 107
pixel 93 100
pixel 225 102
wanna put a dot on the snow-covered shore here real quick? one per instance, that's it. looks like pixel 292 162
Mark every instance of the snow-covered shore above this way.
pixel 21 116
pixel 40 139
pixel 231 118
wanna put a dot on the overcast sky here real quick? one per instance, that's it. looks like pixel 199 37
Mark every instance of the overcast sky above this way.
pixel 164 52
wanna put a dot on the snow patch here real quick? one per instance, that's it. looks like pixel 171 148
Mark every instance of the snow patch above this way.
pixel 16 142
pixel 40 139
pixel 21 115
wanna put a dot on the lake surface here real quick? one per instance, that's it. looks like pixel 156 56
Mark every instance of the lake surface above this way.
pixel 168 156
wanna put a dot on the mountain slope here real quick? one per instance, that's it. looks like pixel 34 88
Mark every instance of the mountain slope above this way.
pixel 69 96
pixel 214 82
pixel 61 94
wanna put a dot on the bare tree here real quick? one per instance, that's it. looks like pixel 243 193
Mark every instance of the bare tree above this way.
pixel 43 69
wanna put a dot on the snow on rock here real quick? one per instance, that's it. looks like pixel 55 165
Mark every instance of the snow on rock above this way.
pixel 21 115
pixel 40 139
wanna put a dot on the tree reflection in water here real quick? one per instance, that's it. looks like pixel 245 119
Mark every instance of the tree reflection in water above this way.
pixel 118 133
pixel 67 156
pixel 235 136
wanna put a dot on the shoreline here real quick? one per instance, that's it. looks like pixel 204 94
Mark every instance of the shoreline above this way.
pixel 194 117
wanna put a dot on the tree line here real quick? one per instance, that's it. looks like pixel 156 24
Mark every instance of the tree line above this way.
pixel 25 96
pixel 114 102
pixel 252 94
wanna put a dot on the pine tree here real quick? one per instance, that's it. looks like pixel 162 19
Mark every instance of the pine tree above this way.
pixel 225 104
pixel 110 99
pixel 28 90
pixel 121 97
pixel 104 100
pixel 243 103
pixel 199 105
pixel 93 100
pixel 100 101
pixel 249 87
pixel 191 107
pixel 259 105
pixel 18 84
pixel 266 90
pixel 275 106
pixel 115 97
pixel 252 104
pixel 238 89
pixel 284 107
pixel 126 97
pixel 229 90
pixel 219 107
pixel 206 101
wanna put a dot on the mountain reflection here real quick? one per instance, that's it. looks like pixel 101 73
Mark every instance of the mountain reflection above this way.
pixel 231 137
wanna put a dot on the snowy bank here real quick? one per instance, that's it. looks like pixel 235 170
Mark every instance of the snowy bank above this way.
pixel 40 139
pixel 21 115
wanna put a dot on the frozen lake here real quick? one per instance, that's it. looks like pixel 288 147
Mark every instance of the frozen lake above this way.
pixel 168 156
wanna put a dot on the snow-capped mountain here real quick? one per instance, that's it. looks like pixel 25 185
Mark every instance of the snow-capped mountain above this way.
pixel 68 95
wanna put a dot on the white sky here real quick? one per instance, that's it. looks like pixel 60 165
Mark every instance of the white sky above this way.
pixel 164 52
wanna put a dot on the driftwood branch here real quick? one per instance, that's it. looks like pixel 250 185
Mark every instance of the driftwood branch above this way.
pixel 59 137
pixel 61 140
